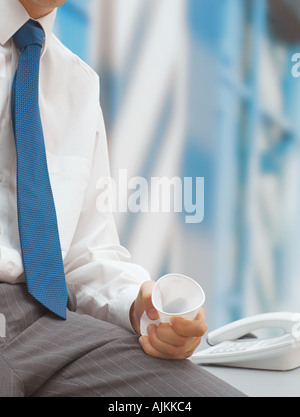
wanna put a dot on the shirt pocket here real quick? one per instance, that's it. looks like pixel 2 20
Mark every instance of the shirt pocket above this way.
pixel 69 176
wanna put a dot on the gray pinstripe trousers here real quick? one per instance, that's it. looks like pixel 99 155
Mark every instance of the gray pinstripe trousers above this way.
pixel 83 357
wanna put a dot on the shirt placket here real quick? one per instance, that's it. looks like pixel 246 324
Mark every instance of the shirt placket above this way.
pixel 10 259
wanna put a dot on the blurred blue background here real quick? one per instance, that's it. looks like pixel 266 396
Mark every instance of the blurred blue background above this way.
pixel 204 88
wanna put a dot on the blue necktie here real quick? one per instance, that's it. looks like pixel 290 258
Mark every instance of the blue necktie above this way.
pixel 38 230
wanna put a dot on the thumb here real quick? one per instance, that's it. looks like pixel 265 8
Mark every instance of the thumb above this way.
pixel 146 296
pixel 143 303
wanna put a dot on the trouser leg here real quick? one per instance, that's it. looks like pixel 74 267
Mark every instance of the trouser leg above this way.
pixel 82 357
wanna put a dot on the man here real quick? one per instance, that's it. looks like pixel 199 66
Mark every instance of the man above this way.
pixel 57 248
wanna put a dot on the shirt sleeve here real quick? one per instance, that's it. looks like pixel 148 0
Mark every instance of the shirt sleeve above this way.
pixel 97 267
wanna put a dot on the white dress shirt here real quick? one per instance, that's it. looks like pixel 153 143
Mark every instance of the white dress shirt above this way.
pixel 96 266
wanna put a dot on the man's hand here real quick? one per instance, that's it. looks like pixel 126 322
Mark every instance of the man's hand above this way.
pixel 178 340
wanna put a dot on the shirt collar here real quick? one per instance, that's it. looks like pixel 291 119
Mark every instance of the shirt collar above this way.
pixel 13 16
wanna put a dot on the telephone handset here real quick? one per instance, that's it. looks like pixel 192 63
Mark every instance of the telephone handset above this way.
pixel 276 353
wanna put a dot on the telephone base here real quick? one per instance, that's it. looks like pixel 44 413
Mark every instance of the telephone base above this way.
pixel 230 349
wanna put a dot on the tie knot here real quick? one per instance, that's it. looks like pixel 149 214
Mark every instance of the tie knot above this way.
pixel 29 34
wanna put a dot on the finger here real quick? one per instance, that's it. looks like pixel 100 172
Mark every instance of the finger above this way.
pixel 152 351
pixel 167 334
pixel 194 328
pixel 169 349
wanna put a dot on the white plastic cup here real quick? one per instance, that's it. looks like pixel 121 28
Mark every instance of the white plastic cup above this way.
pixel 174 295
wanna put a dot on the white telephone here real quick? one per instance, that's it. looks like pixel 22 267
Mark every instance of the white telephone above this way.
pixel 232 347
